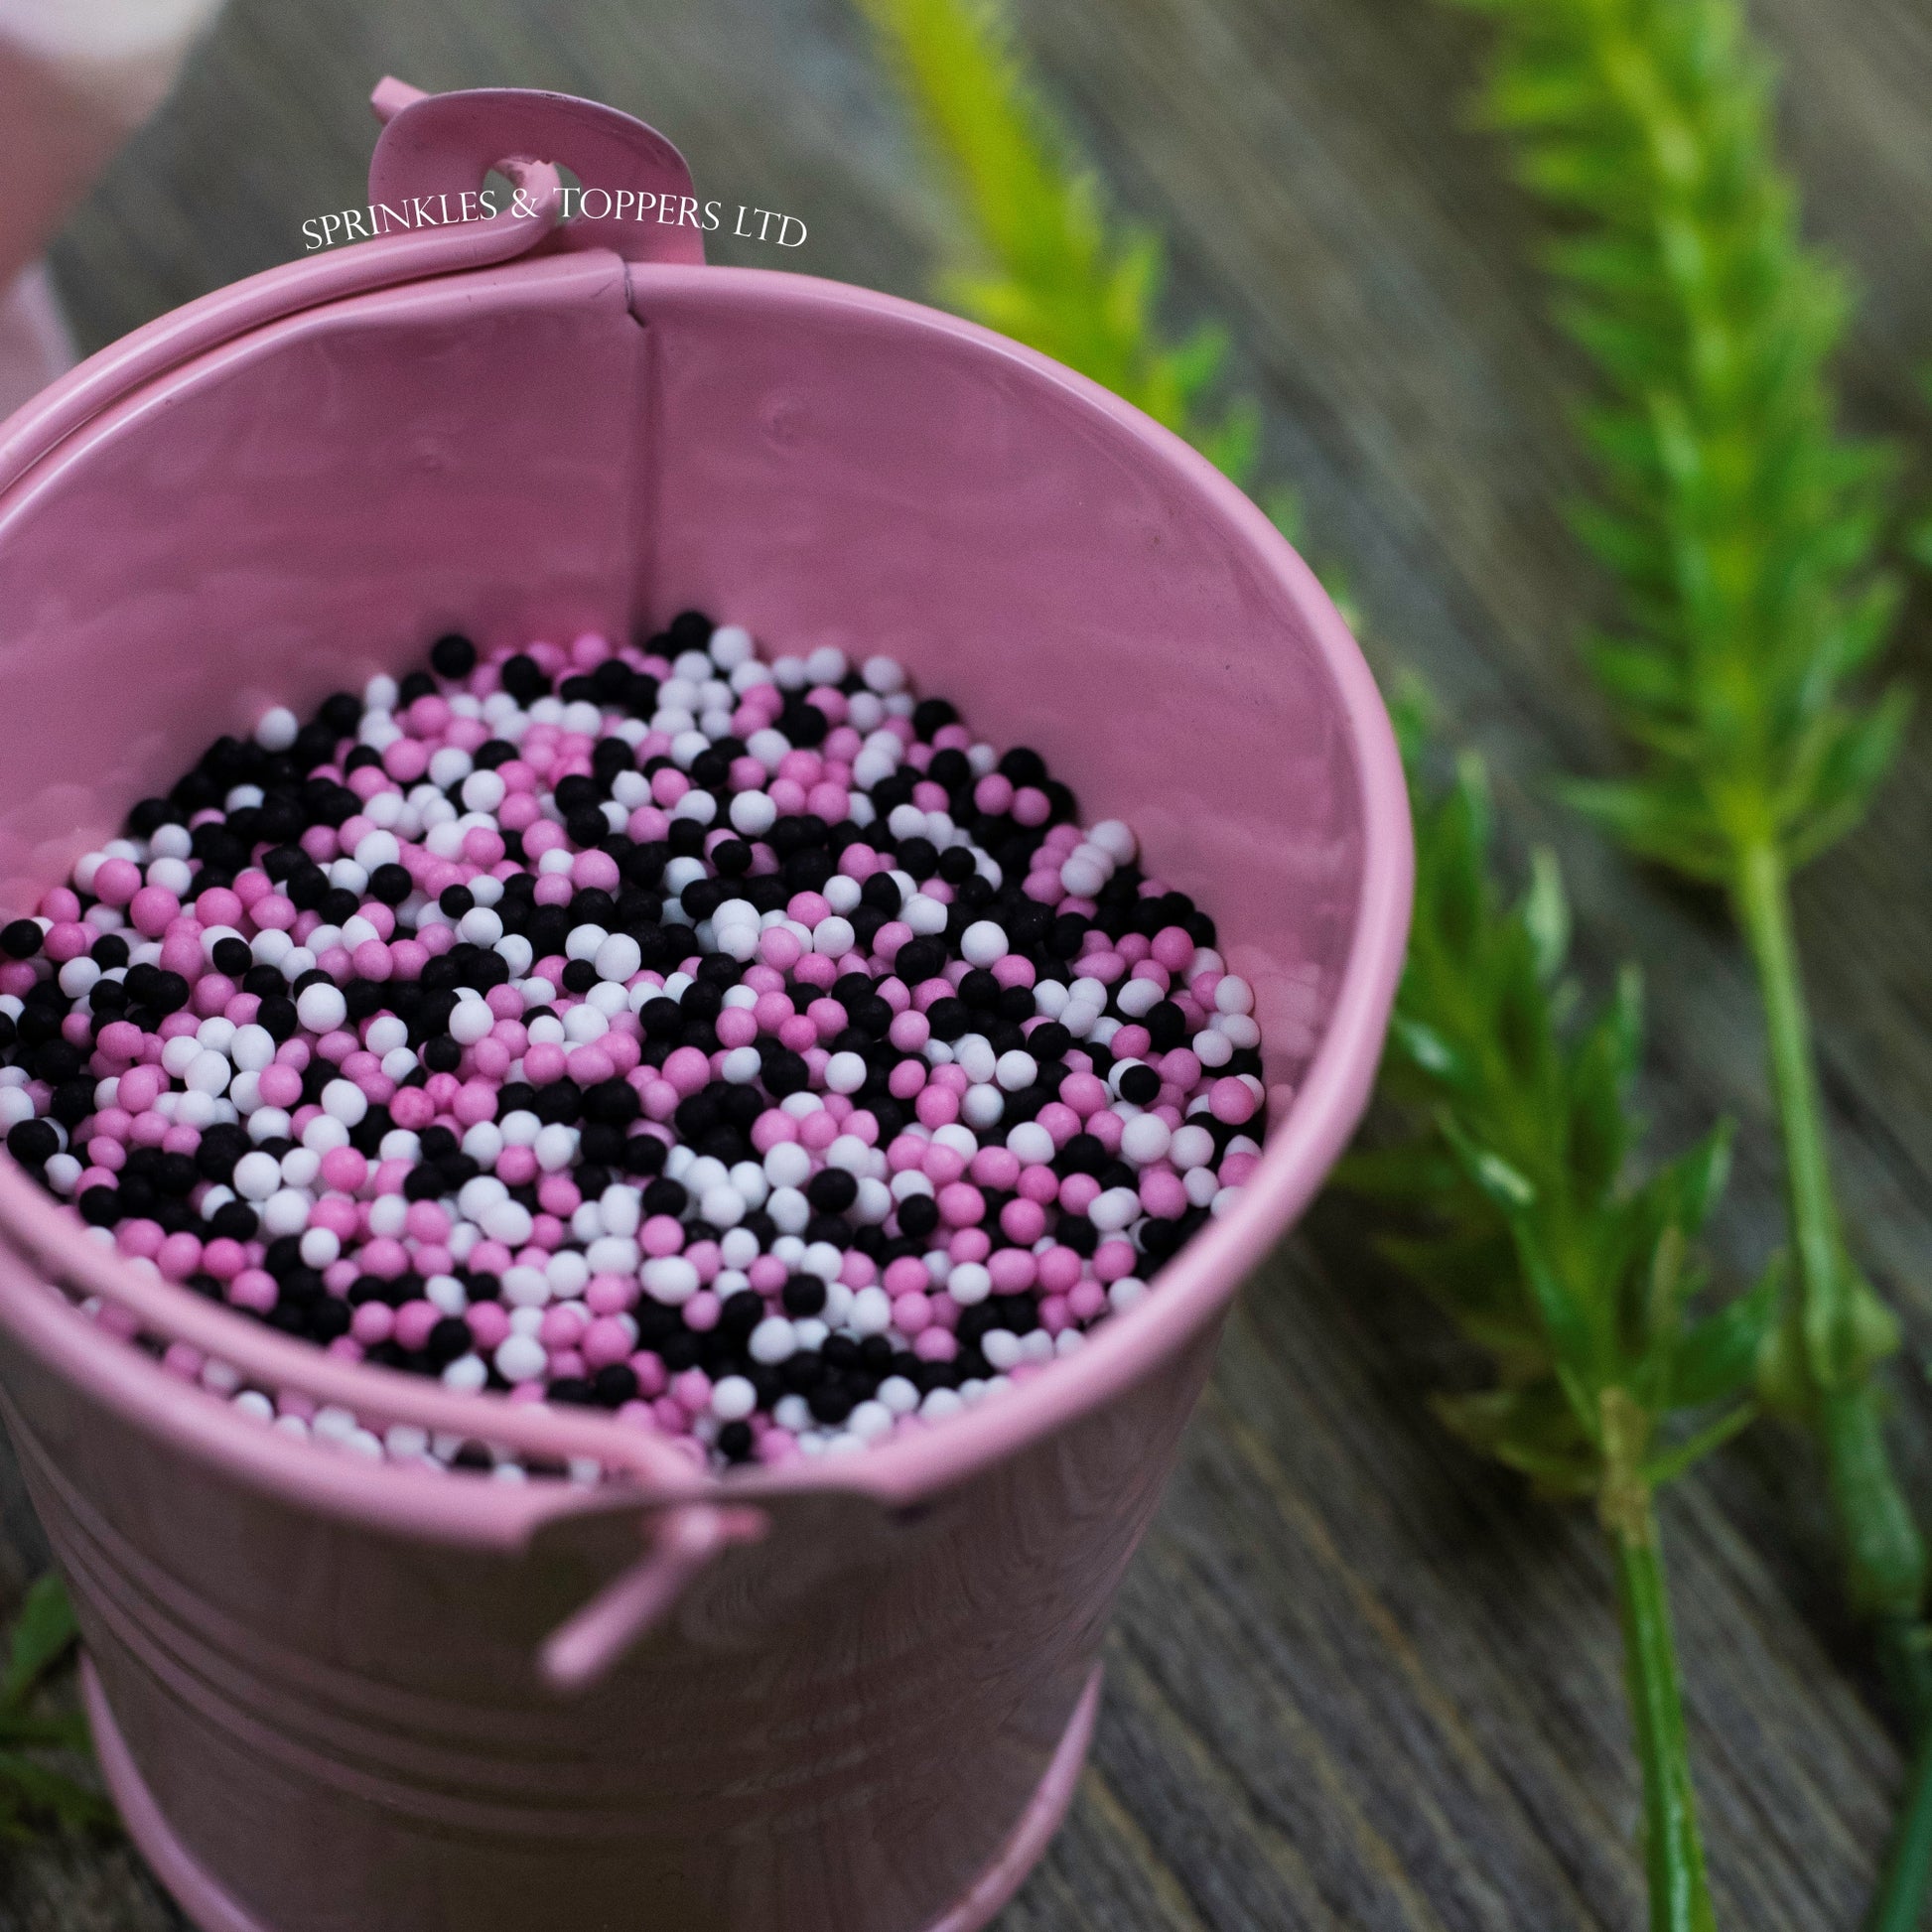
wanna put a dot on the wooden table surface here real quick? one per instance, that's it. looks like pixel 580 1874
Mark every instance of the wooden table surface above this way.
pixel 1359 1678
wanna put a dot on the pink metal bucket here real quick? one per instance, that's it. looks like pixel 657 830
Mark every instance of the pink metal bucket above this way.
pixel 334 1695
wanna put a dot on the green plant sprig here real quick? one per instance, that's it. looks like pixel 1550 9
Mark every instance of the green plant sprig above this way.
pixel 1583 1285
pixel 32 1793
pixel 1037 257
pixel 1743 531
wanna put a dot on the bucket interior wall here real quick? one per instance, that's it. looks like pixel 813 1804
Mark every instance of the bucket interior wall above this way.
pixel 566 444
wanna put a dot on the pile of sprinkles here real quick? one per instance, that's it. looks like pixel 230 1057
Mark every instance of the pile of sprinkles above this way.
pixel 737 1046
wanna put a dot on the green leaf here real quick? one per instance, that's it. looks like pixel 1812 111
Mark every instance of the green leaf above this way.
pixel 1719 1357
pixel 42 1635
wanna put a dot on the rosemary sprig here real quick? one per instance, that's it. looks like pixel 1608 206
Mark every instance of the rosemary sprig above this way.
pixel 32 1792
pixel 1578 1281
pixel 1742 529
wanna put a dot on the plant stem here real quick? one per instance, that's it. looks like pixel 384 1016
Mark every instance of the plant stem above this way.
pixel 1901 1903
pixel 1884 1554
pixel 1680 1893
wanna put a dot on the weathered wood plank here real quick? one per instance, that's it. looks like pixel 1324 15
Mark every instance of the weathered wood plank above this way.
pixel 1360 1680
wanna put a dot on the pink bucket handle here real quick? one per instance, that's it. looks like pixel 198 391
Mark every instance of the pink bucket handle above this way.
pixel 445 144
pixel 684 1541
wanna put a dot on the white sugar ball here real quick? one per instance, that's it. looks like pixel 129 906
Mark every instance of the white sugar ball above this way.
pixel 521 1358
pixel 509 1222
pixel 276 728
pixel 969 1283
pixel 1233 994
pixel 377 848
pixel 471 1021
pixel 1083 878
pixel 321 1009
pixel 1116 839
pixel 253 1048
pixel 619 957
pixel 207 1072
pixel 344 1101
pixel 731 645
pixel 772 1341
pixel 732 1398
pixel 257 1175
pixel 983 942
pixel 834 938
pixel 484 791
pixel 845 1073
pixel 669 1278
pixel 1016 1069
pixel 1145 1138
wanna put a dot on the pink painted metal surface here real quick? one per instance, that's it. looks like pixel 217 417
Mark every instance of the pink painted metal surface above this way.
pixel 354 1693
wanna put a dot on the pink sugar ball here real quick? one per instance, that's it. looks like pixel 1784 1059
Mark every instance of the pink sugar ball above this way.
pixel 606 1341
pixel 427 1221
pixel 515 1165
pixel 59 902
pixel 993 793
pixel 120 1039
pixel 68 939
pixel 589 1065
pixel 1163 1194
pixel 1023 1220
pixel 996 1167
pixel 254 1287
pixel 370 960
pixel 1032 806
pixel 1230 1100
pixel 1078 1193
pixel 384 1257
pixel 407 758
pixel 280 1086
pixel 140 1088
pixel 373 1322
pixel 1011 1269
pixel 544 1062
pixel 153 908
pixel 178 1256
pixel 490 1324
pixel 1058 1268
pixel 223 1259
pixel 686 1068
pixel 1113 1259
pixel 737 1026
pixel 595 869
pixel 117 881
pixel 936 1106
pixel 911 1315
pixel 1085 1299
pixel 935 1345
pixel 961 1204
pixel 218 905
pixel 414 1321
pixel 475 1101
pixel 412 1108
pixel 779 948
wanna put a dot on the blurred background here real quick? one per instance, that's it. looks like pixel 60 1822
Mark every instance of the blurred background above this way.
pixel 1360 1679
